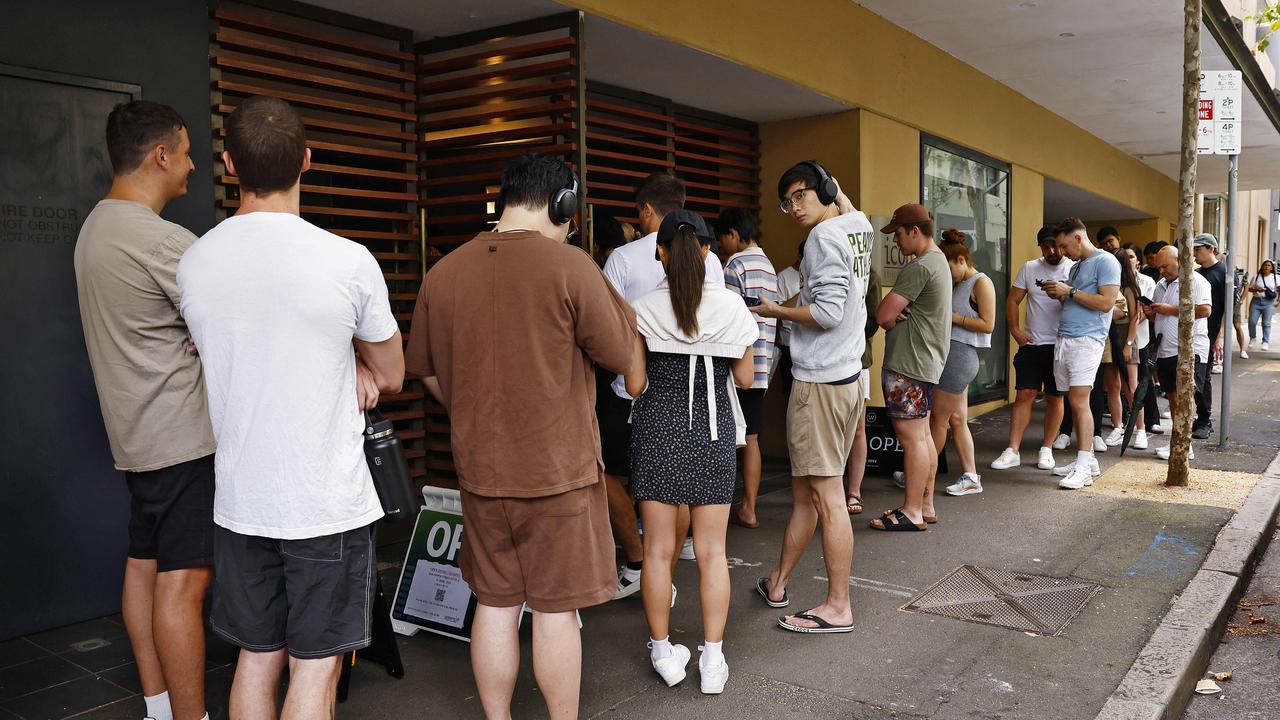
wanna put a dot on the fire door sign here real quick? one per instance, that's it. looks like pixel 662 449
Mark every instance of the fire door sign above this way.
pixel 1220 113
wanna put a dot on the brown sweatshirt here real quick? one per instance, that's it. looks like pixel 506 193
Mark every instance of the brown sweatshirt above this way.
pixel 510 323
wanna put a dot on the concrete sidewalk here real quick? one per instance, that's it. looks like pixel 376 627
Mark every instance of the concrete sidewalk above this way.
pixel 896 664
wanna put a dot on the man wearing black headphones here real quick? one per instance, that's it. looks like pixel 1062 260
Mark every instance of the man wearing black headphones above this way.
pixel 827 399
pixel 505 331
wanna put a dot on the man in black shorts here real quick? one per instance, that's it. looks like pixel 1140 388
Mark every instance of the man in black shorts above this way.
pixel 295 502
pixel 1033 364
pixel 153 401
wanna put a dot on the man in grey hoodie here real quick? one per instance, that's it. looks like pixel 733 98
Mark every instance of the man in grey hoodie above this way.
pixel 827 341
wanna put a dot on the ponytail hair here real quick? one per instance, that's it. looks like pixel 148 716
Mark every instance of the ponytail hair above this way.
pixel 686 271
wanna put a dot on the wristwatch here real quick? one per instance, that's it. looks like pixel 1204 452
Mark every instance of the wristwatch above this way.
pixel 1128 343
pixel 1072 293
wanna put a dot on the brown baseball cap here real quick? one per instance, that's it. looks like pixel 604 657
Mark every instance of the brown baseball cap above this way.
pixel 906 214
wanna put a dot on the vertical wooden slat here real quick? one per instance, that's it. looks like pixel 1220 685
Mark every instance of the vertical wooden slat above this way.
pixel 485 98
pixel 353 83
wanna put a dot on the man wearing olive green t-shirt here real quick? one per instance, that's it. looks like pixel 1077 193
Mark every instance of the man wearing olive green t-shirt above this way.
pixel 916 317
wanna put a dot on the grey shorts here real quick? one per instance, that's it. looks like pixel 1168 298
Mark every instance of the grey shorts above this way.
pixel 960 370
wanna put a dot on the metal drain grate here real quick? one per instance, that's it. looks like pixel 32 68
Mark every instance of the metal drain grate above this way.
pixel 1022 601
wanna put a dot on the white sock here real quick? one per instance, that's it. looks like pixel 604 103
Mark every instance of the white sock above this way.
pixel 713 652
pixel 659 649
pixel 158 706
pixel 1084 458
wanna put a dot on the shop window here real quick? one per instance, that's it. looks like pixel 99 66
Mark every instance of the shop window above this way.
pixel 1212 218
pixel 970 192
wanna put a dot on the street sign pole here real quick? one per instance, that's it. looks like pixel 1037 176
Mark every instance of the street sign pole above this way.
pixel 1228 315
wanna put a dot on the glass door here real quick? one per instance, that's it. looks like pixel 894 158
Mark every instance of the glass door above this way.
pixel 970 192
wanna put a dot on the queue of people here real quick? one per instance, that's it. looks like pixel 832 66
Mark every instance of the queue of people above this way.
pixel 591 403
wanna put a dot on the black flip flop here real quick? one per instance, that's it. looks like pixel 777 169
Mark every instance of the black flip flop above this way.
pixel 897 521
pixel 824 627
pixel 762 587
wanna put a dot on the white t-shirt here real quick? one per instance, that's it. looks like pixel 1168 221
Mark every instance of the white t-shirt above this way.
pixel 634 271
pixel 788 286
pixel 273 304
pixel 1167 325
pixel 1043 312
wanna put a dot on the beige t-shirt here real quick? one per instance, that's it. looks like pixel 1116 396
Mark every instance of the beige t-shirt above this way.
pixel 149 384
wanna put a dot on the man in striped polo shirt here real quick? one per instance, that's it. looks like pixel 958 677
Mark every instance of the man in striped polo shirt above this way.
pixel 749 273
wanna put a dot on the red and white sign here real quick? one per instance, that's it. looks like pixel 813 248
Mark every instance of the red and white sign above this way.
pixel 1220 113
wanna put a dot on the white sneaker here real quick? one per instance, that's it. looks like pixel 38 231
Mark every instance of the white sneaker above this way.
pixel 900 479
pixel 1099 445
pixel 628 583
pixel 1266 346
pixel 1217 369
pixel 1164 415
pixel 1253 344
pixel 970 484
pixel 1046 459
pixel 1076 479
pixel 1244 354
pixel 1066 470
pixel 671 668
pixel 1062 441
pixel 1115 438
pixel 1140 440
pixel 686 552
pixel 712 677
pixel 1163 452
pixel 1008 459
pixel 1157 428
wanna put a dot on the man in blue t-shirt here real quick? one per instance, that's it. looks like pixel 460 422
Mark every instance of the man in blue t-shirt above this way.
pixel 1088 298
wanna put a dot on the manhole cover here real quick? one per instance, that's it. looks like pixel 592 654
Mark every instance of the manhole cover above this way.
pixel 1022 601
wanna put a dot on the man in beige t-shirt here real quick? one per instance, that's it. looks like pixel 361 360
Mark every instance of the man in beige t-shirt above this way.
pixel 153 401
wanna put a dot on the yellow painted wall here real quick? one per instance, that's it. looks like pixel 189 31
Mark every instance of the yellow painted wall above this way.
pixel 1026 216
pixel 1140 232
pixel 868 62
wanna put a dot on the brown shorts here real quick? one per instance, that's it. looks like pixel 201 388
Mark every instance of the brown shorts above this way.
pixel 554 553
pixel 822 420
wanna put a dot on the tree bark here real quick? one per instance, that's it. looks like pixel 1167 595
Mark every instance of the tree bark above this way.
pixel 1180 441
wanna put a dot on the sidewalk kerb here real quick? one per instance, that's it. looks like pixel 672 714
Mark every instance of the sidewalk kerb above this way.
pixel 1163 676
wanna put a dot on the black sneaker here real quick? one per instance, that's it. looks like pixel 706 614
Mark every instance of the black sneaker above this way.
pixel 1202 432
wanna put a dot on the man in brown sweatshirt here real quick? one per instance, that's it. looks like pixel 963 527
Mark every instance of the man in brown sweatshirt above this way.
pixel 508 325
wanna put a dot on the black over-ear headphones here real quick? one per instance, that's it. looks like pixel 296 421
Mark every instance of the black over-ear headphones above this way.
pixel 564 204
pixel 827 188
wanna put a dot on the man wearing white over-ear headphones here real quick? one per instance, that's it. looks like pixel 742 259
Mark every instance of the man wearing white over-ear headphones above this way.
pixel 506 331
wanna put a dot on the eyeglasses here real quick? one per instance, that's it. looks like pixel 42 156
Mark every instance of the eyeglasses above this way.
pixel 796 198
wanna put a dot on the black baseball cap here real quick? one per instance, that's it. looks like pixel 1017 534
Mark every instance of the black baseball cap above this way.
pixel 679 218
pixel 1047 234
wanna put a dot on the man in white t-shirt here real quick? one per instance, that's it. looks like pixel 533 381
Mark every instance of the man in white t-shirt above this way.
pixel 1033 363
pixel 634 270
pixel 1163 312
pixel 296 336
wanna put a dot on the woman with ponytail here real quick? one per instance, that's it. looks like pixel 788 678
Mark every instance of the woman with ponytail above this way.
pixel 696 338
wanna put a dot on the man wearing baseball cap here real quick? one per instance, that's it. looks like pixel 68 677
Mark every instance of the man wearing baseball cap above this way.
pixel 916 317
pixel 1205 252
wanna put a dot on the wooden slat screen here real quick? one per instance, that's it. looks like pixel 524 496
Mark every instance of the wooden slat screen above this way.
pixel 353 84
pixel 632 134
pixel 483 99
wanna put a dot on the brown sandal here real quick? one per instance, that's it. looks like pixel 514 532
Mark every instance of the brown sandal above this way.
pixel 853 503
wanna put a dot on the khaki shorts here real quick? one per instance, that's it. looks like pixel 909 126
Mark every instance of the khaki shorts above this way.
pixel 554 553
pixel 822 420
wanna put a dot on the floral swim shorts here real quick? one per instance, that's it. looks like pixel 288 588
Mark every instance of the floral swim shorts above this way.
pixel 906 398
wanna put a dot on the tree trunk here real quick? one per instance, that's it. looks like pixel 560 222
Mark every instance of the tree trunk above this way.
pixel 1182 408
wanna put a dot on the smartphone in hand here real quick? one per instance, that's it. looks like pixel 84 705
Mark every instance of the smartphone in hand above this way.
pixel 751 301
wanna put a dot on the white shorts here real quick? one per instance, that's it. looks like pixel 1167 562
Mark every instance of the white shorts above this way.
pixel 1076 361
